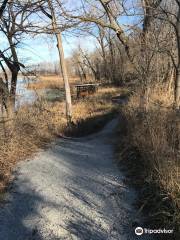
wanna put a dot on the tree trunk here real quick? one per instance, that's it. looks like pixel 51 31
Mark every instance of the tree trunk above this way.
pixel 65 78
pixel 14 75
pixel 144 54
pixel 10 106
pixel 112 61
pixel 177 78
pixel 90 65
pixel 177 88
pixel 105 64
pixel 79 73
pixel 62 65
pixel 83 71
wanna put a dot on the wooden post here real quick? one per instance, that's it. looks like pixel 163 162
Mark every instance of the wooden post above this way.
pixel 62 64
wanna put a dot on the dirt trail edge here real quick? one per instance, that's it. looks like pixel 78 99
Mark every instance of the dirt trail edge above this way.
pixel 73 190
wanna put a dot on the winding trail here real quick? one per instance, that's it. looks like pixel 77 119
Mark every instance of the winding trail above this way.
pixel 73 190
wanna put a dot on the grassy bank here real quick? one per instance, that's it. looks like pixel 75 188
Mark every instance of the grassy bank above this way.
pixel 52 82
pixel 149 150
pixel 35 126
pixel 46 82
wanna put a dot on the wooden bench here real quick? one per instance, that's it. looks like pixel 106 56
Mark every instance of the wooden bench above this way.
pixel 84 90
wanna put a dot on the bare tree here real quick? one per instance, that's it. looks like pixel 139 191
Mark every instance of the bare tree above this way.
pixel 3 6
pixel 13 23
pixel 177 32
pixel 62 60
pixel 169 13
pixel 80 68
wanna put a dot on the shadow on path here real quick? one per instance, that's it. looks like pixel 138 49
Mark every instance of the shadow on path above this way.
pixel 71 191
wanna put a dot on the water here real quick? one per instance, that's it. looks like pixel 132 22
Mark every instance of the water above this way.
pixel 26 96
pixel 23 94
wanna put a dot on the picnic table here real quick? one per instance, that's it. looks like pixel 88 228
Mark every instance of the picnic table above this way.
pixel 84 90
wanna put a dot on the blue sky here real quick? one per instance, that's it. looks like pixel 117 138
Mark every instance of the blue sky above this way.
pixel 40 49
pixel 43 48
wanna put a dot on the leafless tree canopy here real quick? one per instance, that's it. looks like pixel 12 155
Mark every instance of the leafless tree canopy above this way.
pixel 135 40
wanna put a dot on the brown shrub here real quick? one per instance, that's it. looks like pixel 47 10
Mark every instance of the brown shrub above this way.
pixel 155 137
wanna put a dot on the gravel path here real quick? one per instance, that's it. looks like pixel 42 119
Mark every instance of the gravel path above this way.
pixel 73 190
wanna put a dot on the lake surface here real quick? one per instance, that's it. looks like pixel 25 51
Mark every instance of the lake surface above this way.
pixel 27 96
pixel 23 94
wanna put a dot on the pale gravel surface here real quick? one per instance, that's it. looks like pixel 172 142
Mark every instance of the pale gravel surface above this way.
pixel 73 190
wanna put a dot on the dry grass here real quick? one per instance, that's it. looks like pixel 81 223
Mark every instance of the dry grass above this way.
pixel 95 105
pixel 152 149
pixel 35 126
pixel 26 134
pixel 51 82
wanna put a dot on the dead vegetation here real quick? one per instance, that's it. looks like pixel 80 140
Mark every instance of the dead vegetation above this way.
pixel 150 152
pixel 140 56
pixel 46 82
pixel 36 125
pixel 51 82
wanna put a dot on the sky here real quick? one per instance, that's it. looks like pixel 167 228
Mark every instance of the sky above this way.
pixel 37 49
pixel 40 49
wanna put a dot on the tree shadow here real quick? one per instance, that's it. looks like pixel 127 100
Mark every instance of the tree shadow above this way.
pixel 80 195
pixel 19 206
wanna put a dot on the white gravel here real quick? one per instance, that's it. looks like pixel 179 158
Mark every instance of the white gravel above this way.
pixel 73 190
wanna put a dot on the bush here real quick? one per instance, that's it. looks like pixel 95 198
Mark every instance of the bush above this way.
pixel 151 155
